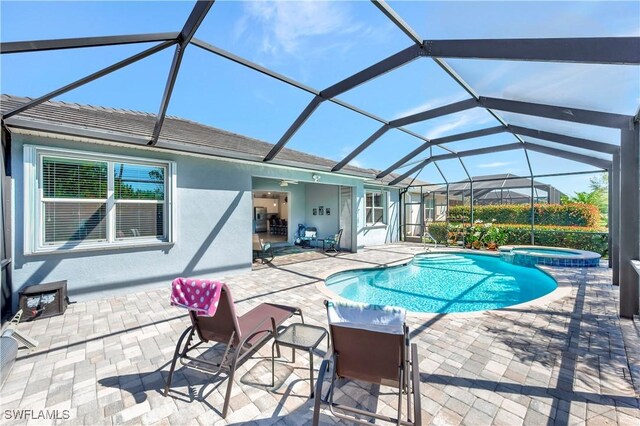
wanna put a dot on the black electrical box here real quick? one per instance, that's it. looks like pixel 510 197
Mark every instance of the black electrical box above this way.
pixel 43 300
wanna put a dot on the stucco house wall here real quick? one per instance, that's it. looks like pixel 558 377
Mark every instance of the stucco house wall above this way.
pixel 213 235
pixel 378 234
pixel 326 196
pixel 214 222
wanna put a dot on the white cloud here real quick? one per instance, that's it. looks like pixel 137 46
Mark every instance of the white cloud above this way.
pixel 356 163
pixel 261 95
pixel 346 150
pixel 416 109
pixel 287 27
pixel 433 103
pixel 601 87
pixel 476 116
pixel 494 164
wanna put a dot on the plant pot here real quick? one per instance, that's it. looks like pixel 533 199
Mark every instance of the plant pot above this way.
pixel 477 245
pixel 492 246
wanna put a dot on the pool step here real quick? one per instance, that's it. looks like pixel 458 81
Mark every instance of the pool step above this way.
pixel 429 260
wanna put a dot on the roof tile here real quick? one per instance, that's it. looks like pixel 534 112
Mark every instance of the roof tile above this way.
pixel 175 130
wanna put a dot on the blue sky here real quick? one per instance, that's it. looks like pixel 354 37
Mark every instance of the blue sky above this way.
pixel 320 43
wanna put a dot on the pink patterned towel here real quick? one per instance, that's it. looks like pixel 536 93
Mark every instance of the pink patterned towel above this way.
pixel 201 296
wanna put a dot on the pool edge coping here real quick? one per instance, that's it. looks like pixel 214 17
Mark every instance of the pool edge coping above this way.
pixel 576 254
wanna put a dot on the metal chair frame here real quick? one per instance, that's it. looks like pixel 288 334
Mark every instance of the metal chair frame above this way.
pixel 225 365
pixel 407 386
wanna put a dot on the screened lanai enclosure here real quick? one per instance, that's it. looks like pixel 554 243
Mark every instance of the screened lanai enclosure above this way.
pixel 465 105
pixel 436 201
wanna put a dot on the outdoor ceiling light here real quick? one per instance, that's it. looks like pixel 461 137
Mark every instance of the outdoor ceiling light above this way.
pixel 315 177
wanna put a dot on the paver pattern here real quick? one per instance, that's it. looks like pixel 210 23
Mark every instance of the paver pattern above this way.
pixel 566 362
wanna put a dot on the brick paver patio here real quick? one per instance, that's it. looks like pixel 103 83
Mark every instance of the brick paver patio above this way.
pixel 565 362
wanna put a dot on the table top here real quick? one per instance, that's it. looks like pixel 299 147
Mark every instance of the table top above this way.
pixel 301 336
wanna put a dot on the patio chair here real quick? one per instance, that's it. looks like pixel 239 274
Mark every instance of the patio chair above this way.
pixel 262 249
pixel 310 234
pixel 333 242
pixel 370 344
pixel 242 335
pixel 8 354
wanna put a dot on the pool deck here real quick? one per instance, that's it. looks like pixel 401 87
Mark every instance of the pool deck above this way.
pixel 569 360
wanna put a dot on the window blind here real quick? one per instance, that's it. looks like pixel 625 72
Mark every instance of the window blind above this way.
pixel 75 200
pixel 139 195
pixel 84 200
pixel 74 222
pixel 139 220
pixel 69 178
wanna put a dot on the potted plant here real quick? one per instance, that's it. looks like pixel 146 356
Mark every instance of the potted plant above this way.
pixel 472 238
pixel 477 242
pixel 494 237
pixel 469 240
pixel 501 238
pixel 490 238
pixel 475 234
pixel 455 234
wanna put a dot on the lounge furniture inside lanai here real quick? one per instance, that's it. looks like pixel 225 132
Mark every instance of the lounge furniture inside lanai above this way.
pixel 241 335
pixel 369 344
pixel 333 242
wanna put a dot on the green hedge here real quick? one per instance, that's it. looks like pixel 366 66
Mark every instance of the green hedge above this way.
pixel 439 232
pixel 574 214
pixel 581 238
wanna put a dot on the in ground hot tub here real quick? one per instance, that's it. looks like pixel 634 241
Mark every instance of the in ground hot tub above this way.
pixel 550 256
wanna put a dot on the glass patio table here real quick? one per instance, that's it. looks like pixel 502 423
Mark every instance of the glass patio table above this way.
pixel 298 336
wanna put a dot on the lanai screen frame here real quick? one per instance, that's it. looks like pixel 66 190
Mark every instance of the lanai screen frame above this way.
pixel 623 168
pixel 472 196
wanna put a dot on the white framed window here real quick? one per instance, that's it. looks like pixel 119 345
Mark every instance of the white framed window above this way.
pixel 75 200
pixel 375 207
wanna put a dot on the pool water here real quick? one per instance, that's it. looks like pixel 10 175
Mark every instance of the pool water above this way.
pixel 444 283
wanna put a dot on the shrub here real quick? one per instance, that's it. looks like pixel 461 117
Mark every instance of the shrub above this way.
pixel 495 235
pixel 576 237
pixel 439 231
pixel 574 214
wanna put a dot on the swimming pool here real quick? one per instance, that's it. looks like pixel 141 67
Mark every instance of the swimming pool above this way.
pixel 444 283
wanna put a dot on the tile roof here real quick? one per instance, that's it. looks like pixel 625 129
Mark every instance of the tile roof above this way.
pixel 179 134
